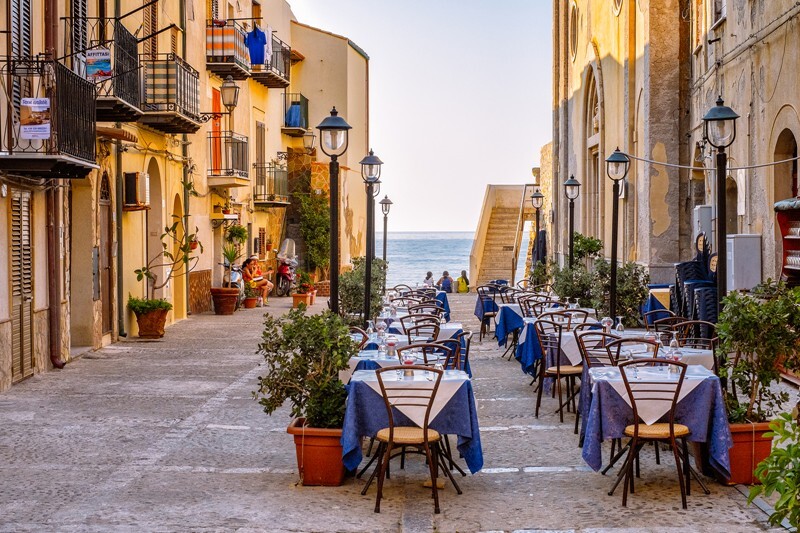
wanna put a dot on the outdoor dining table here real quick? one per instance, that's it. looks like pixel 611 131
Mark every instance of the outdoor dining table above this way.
pixel 509 319
pixel 529 351
pixel 453 413
pixel 441 296
pixel 373 340
pixel 483 306
pixel 606 411
pixel 371 360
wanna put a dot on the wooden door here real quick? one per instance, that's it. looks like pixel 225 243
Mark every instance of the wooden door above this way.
pixel 216 133
pixel 105 252
pixel 21 286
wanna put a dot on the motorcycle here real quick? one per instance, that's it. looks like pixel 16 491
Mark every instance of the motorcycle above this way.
pixel 233 278
pixel 287 263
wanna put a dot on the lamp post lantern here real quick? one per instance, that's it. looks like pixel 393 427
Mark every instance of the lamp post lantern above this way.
pixel 719 129
pixel 617 166
pixel 371 174
pixel 229 93
pixel 334 136
pixel 572 189
pixel 537 201
pixel 386 205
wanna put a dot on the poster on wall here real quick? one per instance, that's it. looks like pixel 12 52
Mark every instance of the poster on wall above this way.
pixel 98 64
pixel 35 118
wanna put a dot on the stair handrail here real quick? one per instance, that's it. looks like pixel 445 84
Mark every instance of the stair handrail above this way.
pixel 518 234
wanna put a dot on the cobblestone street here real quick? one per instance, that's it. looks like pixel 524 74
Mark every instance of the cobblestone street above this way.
pixel 165 436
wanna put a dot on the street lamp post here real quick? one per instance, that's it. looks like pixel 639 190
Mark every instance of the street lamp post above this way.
pixel 386 204
pixel 371 173
pixel 537 201
pixel 334 136
pixel 572 189
pixel 617 165
pixel 719 129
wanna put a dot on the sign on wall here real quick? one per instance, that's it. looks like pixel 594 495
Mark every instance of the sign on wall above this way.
pixel 98 64
pixel 35 118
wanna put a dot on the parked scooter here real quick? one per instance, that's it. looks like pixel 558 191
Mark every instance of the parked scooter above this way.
pixel 287 263
pixel 233 278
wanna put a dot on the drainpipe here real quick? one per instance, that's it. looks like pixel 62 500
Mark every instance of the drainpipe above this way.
pixel 118 210
pixel 53 244
pixel 185 153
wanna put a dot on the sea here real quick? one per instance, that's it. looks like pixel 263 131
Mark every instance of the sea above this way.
pixel 412 254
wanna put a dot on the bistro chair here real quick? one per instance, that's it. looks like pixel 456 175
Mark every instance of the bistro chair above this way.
pixel 432 352
pixel 486 297
pixel 592 345
pixel 663 391
pixel 508 295
pixel 423 293
pixel 540 306
pixel 425 309
pixel 427 330
pixel 697 334
pixel 359 336
pixel 399 394
pixel 405 301
pixel 562 317
pixel 401 288
pixel 626 347
pixel 417 319
pixel 668 324
pixel 549 334
pixel 651 316
pixel 527 305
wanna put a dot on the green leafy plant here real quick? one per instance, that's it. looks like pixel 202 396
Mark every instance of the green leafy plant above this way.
pixel 303 355
pixel 315 228
pixel 780 471
pixel 541 273
pixel 632 290
pixel 586 247
pixel 763 333
pixel 237 234
pixel 574 283
pixel 351 288
pixel 304 285
pixel 142 306
pixel 251 290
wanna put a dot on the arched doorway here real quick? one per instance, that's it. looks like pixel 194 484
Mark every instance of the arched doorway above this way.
pixel 105 255
pixel 785 182
pixel 155 221
pixel 732 206
pixel 593 187
pixel 178 283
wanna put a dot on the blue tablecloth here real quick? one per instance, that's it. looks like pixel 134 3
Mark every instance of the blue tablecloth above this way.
pixel 442 297
pixel 374 346
pixel 484 306
pixel 606 414
pixel 366 415
pixel 529 351
pixel 653 304
pixel 508 320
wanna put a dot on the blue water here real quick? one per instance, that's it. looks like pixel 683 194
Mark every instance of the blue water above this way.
pixel 412 254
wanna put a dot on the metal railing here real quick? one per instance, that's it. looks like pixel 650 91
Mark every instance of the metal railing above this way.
pixel 295 111
pixel 280 62
pixel 50 112
pixel 272 183
pixel 105 34
pixel 170 85
pixel 228 154
pixel 225 43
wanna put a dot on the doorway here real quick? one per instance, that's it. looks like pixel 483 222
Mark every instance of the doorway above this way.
pixel 105 254
pixel 22 360
pixel 785 184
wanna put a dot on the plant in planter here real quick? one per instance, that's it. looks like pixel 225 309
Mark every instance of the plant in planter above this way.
pixel 226 298
pixel 175 259
pixel 305 289
pixel 780 471
pixel 303 355
pixel 762 331
pixel 574 283
pixel 251 294
pixel 632 290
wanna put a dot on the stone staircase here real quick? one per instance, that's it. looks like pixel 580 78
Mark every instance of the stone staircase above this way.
pixel 498 250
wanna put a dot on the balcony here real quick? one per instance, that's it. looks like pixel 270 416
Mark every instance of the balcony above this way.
pixel 275 73
pixel 272 185
pixel 171 98
pixel 48 125
pixel 226 52
pixel 295 114
pixel 228 160
pixel 109 58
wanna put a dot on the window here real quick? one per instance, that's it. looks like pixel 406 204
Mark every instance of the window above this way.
pixel 699 19
pixel 573 30
pixel 720 10
pixel 150 27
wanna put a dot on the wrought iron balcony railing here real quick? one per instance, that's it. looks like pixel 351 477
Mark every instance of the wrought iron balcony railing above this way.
pixel 275 73
pixel 226 52
pixel 228 155
pixel 272 184
pixel 295 114
pixel 48 124
pixel 106 53
pixel 171 98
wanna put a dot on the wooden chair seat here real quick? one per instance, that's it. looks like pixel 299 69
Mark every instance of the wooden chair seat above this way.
pixel 566 370
pixel 659 430
pixel 407 435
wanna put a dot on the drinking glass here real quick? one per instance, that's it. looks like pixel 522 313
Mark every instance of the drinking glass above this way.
pixel 370 328
pixel 606 322
pixel 620 328
pixel 573 305
pixel 382 348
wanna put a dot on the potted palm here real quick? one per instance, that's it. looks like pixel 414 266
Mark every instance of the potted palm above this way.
pixel 761 331
pixel 303 355
pixel 226 298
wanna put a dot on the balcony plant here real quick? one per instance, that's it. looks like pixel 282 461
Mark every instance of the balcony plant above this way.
pixel 226 298
pixel 303 355
pixel 176 258
pixel 305 289
pixel 761 331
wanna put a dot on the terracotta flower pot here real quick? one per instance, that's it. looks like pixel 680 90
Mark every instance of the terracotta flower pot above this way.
pixel 250 303
pixel 225 299
pixel 313 297
pixel 319 454
pixel 297 299
pixel 750 447
pixel 151 325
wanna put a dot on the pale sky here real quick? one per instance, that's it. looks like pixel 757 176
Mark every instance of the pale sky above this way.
pixel 460 97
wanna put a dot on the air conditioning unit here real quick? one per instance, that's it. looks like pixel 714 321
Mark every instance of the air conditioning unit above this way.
pixel 136 191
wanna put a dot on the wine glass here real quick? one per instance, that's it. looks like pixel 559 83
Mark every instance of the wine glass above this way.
pixel 573 305
pixel 370 328
pixel 607 322
pixel 620 328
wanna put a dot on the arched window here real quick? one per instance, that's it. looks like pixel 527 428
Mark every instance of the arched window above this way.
pixel 573 30
pixel 617 6
pixel 593 180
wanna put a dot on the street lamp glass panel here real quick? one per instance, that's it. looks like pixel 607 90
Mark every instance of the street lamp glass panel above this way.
pixel 720 132
pixel 308 141
pixel 334 142
pixel 572 188
pixel 371 167
pixel 386 204
pixel 617 165
pixel 537 200
pixel 720 125
pixel 229 93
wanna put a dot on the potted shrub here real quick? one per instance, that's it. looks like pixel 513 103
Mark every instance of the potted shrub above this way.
pixel 761 331
pixel 226 299
pixel 303 355
pixel 251 294
pixel 175 259
pixel 268 244
pixel 151 315
pixel 304 292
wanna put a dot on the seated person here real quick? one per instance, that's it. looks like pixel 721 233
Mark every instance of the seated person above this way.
pixel 251 271
pixel 428 282
pixel 462 283
pixel 445 283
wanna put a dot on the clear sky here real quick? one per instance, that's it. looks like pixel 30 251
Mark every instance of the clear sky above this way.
pixel 460 97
